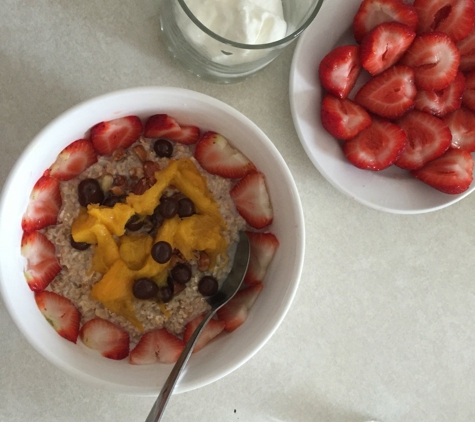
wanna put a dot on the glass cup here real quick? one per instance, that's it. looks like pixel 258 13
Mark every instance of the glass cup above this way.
pixel 249 33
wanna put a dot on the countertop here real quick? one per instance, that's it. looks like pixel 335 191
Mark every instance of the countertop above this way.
pixel 383 324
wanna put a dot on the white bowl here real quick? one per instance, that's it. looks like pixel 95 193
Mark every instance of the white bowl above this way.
pixel 229 351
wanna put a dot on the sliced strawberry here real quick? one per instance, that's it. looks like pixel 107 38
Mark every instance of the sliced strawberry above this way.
pixel 42 265
pixel 450 173
pixel 210 331
pixel 435 60
pixel 443 101
pixel 389 94
pixel 452 17
pixel 236 311
pixel 343 119
pixel 263 249
pixel 461 123
pixel 339 70
pixel 468 98
pixel 73 160
pixel 118 133
pixel 373 12
pixel 376 147
pixel 107 338
pixel 428 137
pixel 60 312
pixel 156 346
pixel 467 52
pixel 384 45
pixel 217 156
pixel 44 204
pixel 252 200
pixel 165 126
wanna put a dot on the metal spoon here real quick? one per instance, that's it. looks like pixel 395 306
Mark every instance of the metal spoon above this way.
pixel 228 289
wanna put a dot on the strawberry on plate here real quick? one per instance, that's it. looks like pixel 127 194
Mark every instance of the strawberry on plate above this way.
pixel 461 123
pixel 156 346
pixel 73 160
pixel 339 70
pixel 118 133
pixel 376 147
pixel 343 119
pixel 44 204
pixel 60 312
pixel 110 340
pixel 252 201
pixel 389 94
pixel 263 249
pixel 466 48
pixel 450 173
pixel 217 156
pixel 42 265
pixel 212 329
pixel 165 126
pixel 468 98
pixel 428 137
pixel 236 311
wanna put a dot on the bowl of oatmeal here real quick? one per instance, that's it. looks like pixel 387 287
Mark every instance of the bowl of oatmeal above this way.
pixel 119 220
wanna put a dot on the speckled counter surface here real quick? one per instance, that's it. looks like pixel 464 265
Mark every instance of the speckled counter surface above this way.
pixel 383 324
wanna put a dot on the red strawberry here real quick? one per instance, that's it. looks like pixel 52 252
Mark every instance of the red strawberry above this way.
pixel 343 119
pixel 107 338
pixel 165 126
pixel 384 45
pixel 263 248
pixel 373 12
pixel 450 173
pixel 236 311
pixel 211 330
pixel 428 137
pixel 443 101
pixel 118 133
pixel 468 98
pixel 435 60
pixel 217 156
pixel 467 52
pixel 339 70
pixel 452 17
pixel 252 200
pixel 42 265
pixel 60 312
pixel 73 160
pixel 389 94
pixel 461 123
pixel 156 346
pixel 376 147
pixel 44 204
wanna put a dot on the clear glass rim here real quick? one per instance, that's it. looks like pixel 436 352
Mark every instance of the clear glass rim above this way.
pixel 273 44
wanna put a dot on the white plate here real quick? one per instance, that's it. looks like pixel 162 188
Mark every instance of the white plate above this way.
pixel 391 190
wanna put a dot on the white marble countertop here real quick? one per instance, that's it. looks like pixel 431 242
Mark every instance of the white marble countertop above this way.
pixel 383 324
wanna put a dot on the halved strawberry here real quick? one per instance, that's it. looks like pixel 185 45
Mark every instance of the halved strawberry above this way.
pixel 110 340
pixel 453 17
pixel 44 204
pixel 60 312
pixel 263 249
pixel 468 98
pixel 376 147
pixel 443 101
pixel 165 126
pixel 467 52
pixel 428 137
pixel 339 70
pixel 252 200
pixel 118 133
pixel 156 346
pixel 389 94
pixel 450 173
pixel 435 60
pixel 384 45
pixel 217 156
pixel 461 123
pixel 343 119
pixel 42 265
pixel 373 12
pixel 236 311
pixel 73 160
pixel 210 331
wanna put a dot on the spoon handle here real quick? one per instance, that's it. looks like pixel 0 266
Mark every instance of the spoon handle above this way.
pixel 159 406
